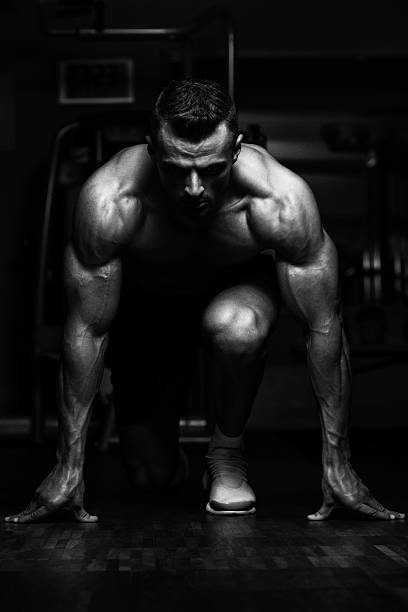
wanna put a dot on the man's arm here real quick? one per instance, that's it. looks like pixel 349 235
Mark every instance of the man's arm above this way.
pixel 93 297
pixel 308 277
pixel 92 276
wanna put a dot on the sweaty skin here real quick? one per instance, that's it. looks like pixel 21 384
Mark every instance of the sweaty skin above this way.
pixel 178 216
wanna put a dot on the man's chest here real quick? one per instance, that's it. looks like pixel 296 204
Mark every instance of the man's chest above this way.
pixel 186 257
pixel 227 240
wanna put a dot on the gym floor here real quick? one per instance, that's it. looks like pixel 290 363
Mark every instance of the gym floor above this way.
pixel 155 553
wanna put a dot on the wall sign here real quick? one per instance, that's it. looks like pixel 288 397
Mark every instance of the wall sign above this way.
pixel 96 81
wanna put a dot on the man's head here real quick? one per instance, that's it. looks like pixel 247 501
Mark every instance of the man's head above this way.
pixel 194 142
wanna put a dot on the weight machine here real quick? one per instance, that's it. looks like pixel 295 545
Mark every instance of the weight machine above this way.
pixel 79 148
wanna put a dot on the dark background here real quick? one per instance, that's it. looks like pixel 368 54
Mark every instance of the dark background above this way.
pixel 301 67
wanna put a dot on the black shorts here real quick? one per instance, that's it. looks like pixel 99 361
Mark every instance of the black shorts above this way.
pixel 153 347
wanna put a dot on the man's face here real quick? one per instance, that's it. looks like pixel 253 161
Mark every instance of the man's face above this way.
pixel 195 175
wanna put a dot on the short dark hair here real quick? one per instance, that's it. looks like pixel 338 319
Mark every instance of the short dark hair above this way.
pixel 193 108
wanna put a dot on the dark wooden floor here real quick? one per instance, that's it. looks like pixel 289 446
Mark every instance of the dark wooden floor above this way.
pixel 166 554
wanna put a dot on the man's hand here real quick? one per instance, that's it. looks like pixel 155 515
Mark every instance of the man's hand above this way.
pixel 62 489
pixel 342 487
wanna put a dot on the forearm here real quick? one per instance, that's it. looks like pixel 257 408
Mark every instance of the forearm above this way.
pixel 79 378
pixel 329 367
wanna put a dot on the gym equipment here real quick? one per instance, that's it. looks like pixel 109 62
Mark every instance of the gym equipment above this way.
pixel 79 148
pixel 181 35
pixel 384 265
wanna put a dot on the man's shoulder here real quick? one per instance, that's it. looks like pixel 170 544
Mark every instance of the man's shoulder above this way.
pixel 282 211
pixel 109 206
pixel 263 176
pixel 123 174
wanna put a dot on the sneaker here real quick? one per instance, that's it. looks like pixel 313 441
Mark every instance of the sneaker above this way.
pixel 230 492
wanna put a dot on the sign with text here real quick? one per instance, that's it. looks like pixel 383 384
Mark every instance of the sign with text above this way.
pixel 96 81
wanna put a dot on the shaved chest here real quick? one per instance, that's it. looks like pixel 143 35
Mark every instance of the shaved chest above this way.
pixel 166 254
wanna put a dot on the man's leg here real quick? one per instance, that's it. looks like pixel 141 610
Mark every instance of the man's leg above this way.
pixel 236 327
pixel 153 360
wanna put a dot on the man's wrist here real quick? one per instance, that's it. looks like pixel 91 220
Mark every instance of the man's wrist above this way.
pixel 71 467
pixel 71 453
pixel 335 454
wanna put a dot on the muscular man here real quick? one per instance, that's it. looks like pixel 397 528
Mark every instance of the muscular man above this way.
pixel 167 252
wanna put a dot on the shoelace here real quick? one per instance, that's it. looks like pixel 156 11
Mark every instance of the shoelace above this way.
pixel 223 464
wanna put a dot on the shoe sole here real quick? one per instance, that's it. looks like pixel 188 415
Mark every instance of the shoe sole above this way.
pixel 211 510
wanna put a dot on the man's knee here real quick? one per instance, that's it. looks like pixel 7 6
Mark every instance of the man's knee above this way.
pixel 235 329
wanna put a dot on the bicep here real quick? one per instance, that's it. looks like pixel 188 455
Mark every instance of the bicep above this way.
pixel 92 293
pixel 310 287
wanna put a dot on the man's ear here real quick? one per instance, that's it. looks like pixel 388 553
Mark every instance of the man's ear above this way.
pixel 237 148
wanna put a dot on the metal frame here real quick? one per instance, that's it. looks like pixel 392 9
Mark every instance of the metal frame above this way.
pixel 182 34
pixel 37 421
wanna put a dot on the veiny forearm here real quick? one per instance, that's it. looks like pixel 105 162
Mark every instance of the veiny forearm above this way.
pixel 79 378
pixel 329 367
pixel 311 291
